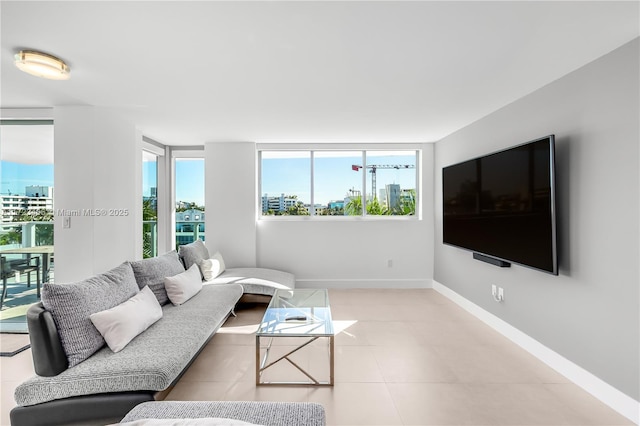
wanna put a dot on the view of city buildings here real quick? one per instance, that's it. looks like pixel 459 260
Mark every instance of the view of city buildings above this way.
pixel 189 223
pixel 34 200
pixel 391 198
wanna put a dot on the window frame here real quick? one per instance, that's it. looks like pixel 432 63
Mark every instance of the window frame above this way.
pixel 416 148
pixel 160 151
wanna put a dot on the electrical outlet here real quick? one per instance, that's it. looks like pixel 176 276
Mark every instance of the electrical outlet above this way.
pixel 497 293
pixel 390 263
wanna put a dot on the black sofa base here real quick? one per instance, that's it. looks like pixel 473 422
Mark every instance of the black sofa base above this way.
pixel 97 409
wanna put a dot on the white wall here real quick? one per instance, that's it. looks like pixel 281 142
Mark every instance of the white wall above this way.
pixel 230 197
pixel 324 253
pixel 590 313
pixel 97 167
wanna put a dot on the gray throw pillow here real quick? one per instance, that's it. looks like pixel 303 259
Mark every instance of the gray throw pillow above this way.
pixel 72 304
pixel 152 272
pixel 193 253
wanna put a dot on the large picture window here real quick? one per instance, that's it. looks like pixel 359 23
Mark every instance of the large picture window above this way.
pixel 338 182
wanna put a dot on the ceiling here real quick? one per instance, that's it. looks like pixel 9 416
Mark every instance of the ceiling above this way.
pixel 187 73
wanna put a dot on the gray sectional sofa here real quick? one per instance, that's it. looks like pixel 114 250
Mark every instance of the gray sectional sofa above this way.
pixel 81 381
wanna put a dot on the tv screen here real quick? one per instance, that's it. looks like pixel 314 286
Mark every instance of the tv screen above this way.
pixel 502 205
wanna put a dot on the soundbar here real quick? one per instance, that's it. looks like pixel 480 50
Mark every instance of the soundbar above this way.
pixel 491 260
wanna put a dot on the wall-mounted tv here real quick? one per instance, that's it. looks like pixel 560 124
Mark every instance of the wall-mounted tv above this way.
pixel 501 206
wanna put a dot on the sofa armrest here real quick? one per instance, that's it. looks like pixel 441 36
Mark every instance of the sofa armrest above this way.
pixel 49 358
pixel 99 409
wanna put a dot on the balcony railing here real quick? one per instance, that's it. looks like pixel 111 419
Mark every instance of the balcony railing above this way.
pixel 25 234
pixel 23 240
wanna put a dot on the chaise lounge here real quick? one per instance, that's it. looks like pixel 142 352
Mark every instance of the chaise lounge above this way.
pixel 256 282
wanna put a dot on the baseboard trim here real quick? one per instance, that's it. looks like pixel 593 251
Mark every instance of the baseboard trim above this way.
pixel 364 283
pixel 618 401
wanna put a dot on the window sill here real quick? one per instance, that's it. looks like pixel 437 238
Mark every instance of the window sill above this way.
pixel 368 218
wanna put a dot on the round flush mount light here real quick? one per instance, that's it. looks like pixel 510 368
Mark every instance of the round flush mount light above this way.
pixel 42 65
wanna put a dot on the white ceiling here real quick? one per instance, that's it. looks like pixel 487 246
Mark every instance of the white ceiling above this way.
pixel 192 72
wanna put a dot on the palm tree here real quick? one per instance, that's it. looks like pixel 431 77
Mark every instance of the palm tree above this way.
pixel 297 210
pixel 375 208
pixel 407 204
pixel 354 206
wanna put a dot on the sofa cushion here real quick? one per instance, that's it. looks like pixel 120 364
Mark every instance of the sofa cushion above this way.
pixel 121 324
pixel 193 253
pixel 152 271
pixel 72 304
pixel 150 362
pixel 183 286
pixel 213 267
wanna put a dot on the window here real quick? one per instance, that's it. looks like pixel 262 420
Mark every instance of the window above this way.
pixel 149 204
pixel 393 183
pixel 338 182
pixel 189 200
pixel 286 191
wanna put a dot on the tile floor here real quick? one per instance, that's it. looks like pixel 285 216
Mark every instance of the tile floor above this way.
pixel 403 357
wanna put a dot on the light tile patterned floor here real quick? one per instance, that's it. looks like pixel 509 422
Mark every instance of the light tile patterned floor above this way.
pixel 404 357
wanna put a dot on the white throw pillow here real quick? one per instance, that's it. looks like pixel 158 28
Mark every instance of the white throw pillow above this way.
pixel 122 323
pixel 213 267
pixel 183 286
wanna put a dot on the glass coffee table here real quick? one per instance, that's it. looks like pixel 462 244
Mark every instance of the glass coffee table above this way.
pixel 295 313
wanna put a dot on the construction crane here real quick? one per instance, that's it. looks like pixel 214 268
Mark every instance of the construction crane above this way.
pixel 374 167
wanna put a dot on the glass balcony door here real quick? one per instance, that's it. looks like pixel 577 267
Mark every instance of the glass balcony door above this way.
pixel 26 228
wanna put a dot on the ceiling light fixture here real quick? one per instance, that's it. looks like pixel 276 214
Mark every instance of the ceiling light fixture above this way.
pixel 42 65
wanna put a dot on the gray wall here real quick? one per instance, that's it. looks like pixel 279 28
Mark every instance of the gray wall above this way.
pixel 590 312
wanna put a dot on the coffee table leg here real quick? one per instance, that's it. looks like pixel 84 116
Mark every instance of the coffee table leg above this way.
pixel 331 352
pixel 257 360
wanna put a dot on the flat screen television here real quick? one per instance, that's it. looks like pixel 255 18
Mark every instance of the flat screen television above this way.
pixel 501 206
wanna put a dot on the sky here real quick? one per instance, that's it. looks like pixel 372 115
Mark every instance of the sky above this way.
pixel 282 172
pixel 189 183
pixel 189 179
pixel 15 177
